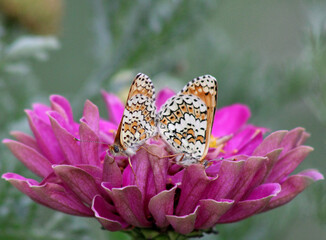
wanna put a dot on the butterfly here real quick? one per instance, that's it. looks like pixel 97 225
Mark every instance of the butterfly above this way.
pixel 138 122
pixel 184 122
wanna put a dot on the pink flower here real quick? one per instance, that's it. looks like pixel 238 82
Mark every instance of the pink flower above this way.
pixel 79 178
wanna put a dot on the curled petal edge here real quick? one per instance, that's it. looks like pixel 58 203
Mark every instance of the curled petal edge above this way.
pixel 49 194
pixel 105 215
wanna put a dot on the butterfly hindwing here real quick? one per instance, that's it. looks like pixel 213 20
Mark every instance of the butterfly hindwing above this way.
pixel 206 88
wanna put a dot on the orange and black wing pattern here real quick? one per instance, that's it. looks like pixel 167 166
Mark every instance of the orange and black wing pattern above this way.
pixel 185 120
pixel 138 120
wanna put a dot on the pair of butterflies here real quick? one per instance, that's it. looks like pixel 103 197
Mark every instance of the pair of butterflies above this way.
pixel 184 122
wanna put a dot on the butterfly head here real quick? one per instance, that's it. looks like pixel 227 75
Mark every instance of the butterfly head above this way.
pixel 116 150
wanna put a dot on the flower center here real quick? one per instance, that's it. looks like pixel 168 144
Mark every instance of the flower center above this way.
pixel 219 142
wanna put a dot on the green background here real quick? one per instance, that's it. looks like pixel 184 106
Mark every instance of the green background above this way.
pixel 270 55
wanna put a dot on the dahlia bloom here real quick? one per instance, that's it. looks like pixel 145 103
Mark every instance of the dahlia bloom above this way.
pixel 247 173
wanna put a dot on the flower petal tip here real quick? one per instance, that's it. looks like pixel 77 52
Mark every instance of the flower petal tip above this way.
pixel 314 174
pixel 6 140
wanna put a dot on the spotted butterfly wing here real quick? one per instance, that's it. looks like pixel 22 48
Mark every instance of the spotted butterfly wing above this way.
pixel 205 87
pixel 138 120
pixel 185 120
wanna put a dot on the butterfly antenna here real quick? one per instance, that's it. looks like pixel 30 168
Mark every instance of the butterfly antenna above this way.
pixel 208 163
pixel 90 141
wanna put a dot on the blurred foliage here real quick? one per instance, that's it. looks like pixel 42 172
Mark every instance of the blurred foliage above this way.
pixel 17 80
pixel 270 55
pixel 316 58
pixel 18 87
pixel 38 16
pixel 127 35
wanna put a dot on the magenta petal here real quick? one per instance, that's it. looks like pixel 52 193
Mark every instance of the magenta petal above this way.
pixel 129 204
pixel 150 170
pixel 33 160
pixel 261 129
pixel 40 110
pixel 193 185
pixel 161 205
pixel 91 116
pixel 264 190
pixel 255 203
pixel 210 212
pixel 94 171
pixel 230 119
pixel 159 166
pixel 107 126
pixel 252 144
pixel 303 138
pixel 89 146
pixel 69 146
pixel 58 198
pixel 241 138
pixel 270 143
pixel 79 181
pixel 106 133
pixel 260 174
pixel 273 157
pixel 291 139
pixel 111 172
pixel 104 212
pixel 162 96
pixel 176 178
pixel 141 166
pixel 293 185
pixel 252 174
pixel 228 176
pixel 62 106
pixel 183 224
pixel 114 105
pixel 50 194
pixel 25 139
pixel 45 137
pixel 143 171
pixel 24 185
pixel 288 163
pixel 61 121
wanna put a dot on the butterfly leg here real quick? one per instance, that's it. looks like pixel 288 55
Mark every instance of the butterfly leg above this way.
pixel 180 157
pixel 132 169
pixel 153 154
pixel 167 156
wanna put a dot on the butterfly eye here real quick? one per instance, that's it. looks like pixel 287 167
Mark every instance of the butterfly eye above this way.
pixel 115 148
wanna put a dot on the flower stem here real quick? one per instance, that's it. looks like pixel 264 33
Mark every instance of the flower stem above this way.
pixel 140 234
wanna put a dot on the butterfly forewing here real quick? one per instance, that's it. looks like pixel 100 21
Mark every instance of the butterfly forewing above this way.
pixel 138 121
pixel 143 85
pixel 185 120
